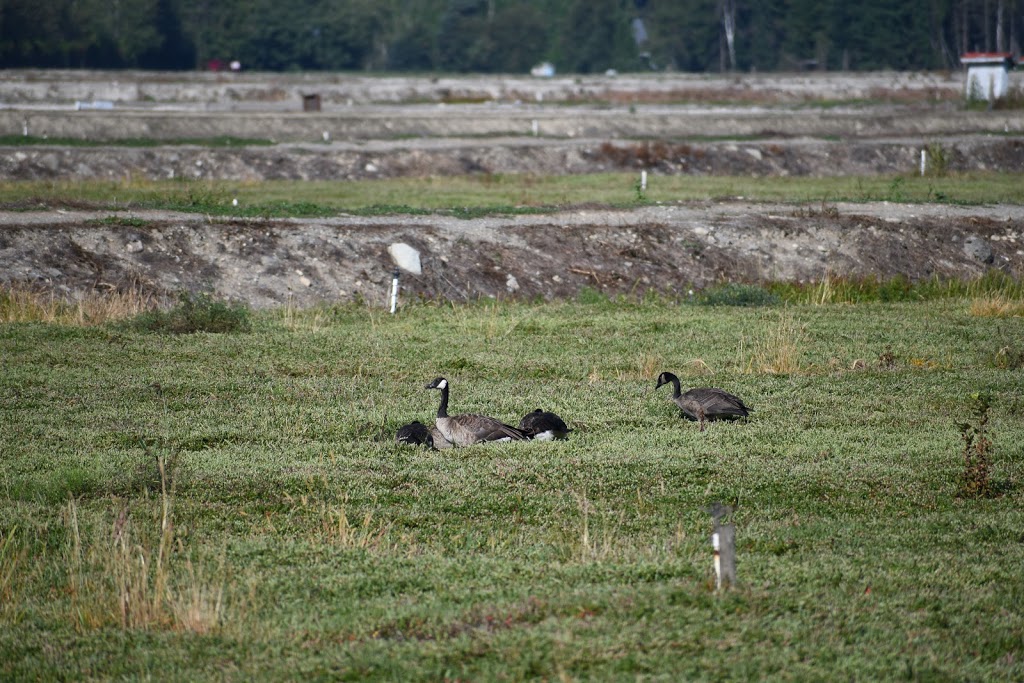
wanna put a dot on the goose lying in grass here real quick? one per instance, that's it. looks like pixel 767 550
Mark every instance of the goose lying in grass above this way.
pixel 704 403
pixel 543 426
pixel 418 434
pixel 468 429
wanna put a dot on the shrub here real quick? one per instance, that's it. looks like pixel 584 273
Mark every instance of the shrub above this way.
pixel 977 451
pixel 196 313
pixel 735 294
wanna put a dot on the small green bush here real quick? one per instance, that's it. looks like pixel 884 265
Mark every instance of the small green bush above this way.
pixel 977 451
pixel 735 294
pixel 196 313
pixel 591 296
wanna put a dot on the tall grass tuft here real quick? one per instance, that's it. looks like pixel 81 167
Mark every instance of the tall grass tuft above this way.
pixel 997 306
pixel 832 289
pixel 196 313
pixel 11 556
pixel 594 547
pixel 777 349
pixel 367 534
pixel 129 578
pixel 21 304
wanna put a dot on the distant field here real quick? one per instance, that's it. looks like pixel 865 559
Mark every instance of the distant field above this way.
pixel 483 194
pixel 290 537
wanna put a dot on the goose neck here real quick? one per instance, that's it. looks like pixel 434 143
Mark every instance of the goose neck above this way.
pixel 442 410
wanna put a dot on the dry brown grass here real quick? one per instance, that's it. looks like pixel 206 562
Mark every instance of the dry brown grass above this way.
pixel 645 366
pixel 11 556
pixel 129 577
pixel 777 348
pixel 22 304
pixel 997 306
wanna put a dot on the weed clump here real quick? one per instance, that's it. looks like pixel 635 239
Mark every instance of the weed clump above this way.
pixel 977 451
pixel 735 294
pixel 196 313
pixel 1009 357
pixel 887 359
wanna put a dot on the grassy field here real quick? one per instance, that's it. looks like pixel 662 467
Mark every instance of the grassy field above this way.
pixel 485 194
pixel 232 506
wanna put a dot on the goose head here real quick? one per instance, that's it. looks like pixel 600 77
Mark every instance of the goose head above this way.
pixel 440 384
pixel 666 378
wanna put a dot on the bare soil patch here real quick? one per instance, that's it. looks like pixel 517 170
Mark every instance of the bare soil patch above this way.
pixel 669 249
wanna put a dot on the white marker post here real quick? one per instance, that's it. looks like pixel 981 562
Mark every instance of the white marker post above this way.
pixel 643 181
pixel 723 541
pixel 394 291
pixel 923 157
pixel 717 545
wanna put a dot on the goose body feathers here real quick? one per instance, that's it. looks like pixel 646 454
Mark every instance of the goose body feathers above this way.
pixel 543 426
pixel 469 428
pixel 704 403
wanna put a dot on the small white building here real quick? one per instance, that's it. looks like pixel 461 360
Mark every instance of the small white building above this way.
pixel 987 74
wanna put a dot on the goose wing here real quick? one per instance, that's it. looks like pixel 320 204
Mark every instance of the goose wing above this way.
pixel 463 430
pixel 543 422
pixel 717 402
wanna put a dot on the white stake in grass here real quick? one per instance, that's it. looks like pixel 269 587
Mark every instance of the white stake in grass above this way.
pixel 723 541
pixel 394 291
pixel 923 156
pixel 643 181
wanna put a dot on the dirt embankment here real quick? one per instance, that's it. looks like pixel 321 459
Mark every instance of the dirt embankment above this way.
pixel 668 248
pixel 375 128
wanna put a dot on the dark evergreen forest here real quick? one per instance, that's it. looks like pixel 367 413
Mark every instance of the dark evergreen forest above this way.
pixel 578 36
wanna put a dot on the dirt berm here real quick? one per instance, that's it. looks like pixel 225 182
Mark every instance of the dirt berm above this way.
pixel 389 127
pixel 671 249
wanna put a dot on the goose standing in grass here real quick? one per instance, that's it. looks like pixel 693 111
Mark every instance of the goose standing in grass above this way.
pixel 704 403
pixel 418 434
pixel 468 429
pixel 543 426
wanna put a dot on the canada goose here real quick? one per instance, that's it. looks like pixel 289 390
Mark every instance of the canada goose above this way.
pixel 418 434
pixel 705 403
pixel 543 426
pixel 415 434
pixel 464 430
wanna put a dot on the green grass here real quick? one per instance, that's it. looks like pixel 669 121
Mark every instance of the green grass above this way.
pixel 291 537
pixel 469 196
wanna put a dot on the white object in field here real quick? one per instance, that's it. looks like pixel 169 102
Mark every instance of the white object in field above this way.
pixel 394 291
pixel 543 70
pixel 405 257
pixel 643 180
pixel 718 560
pixel 923 156
pixel 988 75
pixel 536 128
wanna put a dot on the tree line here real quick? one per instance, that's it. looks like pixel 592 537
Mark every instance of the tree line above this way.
pixel 505 36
